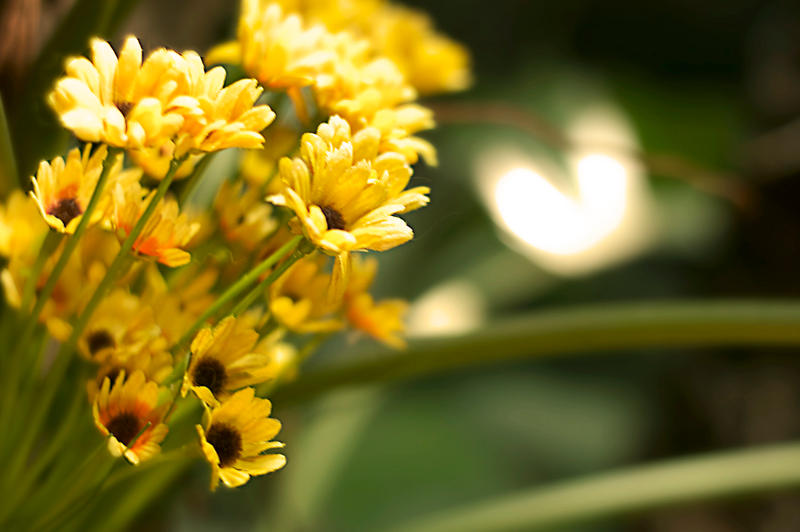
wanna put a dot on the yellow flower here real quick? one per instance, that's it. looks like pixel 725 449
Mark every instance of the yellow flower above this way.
pixel 258 167
pixel 276 48
pixel 345 194
pixel 430 61
pixel 156 364
pixel 236 437
pixel 223 359
pixel 121 322
pixel 21 228
pixel 382 320
pixel 299 298
pixel 361 84
pixel 127 410
pixel 169 97
pixel 62 189
pixel 244 218
pixel 122 102
pixel 164 234
pixel 398 126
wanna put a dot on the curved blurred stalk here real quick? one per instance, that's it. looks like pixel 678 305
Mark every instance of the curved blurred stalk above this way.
pixel 629 490
pixel 587 329
pixel 9 177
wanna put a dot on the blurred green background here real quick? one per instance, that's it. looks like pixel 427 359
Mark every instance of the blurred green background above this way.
pixel 715 85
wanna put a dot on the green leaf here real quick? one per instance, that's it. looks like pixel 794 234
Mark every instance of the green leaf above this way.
pixel 634 489
pixel 9 178
pixel 588 329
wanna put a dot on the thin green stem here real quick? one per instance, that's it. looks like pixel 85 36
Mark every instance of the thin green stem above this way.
pixel 237 288
pixel 254 294
pixel 588 329
pixel 121 260
pixel 712 476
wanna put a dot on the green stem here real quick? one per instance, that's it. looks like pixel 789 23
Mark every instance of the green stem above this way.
pixel 687 480
pixel 588 329
pixel 235 289
pixel 121 260
pixel 250 298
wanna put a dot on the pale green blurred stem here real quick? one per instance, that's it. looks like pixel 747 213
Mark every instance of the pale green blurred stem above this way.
pixel 194 180
pixel 589 329
pixel 667 483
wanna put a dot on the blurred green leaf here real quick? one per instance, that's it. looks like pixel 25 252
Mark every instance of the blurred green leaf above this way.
pixel 9 177
pixel 638 488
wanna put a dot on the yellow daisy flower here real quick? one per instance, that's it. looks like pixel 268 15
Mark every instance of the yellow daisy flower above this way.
pixel 299 298
pixel 345 194
pixel 155 161
pixel 397 127
pixel 122 101
pixel 258 167
pixel 62 189
pixel 244 218
pixel 383 320
pixel 164 234
pixel 128 103
pixel 223 359
pixel 236 437
pixel 127 410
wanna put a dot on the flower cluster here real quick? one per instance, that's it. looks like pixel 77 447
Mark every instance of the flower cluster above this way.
pixel 202 295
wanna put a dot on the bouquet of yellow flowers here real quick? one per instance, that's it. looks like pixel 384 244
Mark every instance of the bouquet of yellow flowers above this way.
pixel 165 301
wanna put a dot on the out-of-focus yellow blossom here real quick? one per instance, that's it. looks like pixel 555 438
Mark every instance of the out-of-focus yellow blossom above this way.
pixel 383 320
pixel 236 439
pixel 276 48
pixel 244 218
pixel 165 232
pixel 21 228
pixel 299 298
pixel 258 167
pixel 62 189
pixel 345 194
pixel 397 127
pixel 223 360
pixel 360 84
pixel 156 364
pixel 155 161
pixel 430 61
pixel 176 306
pixel 122 322
pixel 127 410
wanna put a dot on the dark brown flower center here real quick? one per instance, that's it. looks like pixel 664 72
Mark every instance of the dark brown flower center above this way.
pixel 65 210
pixel 124 108
pixel 226 441
pixel 124 427
pixel 333 218
pixel 210 372
pixel 99 340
